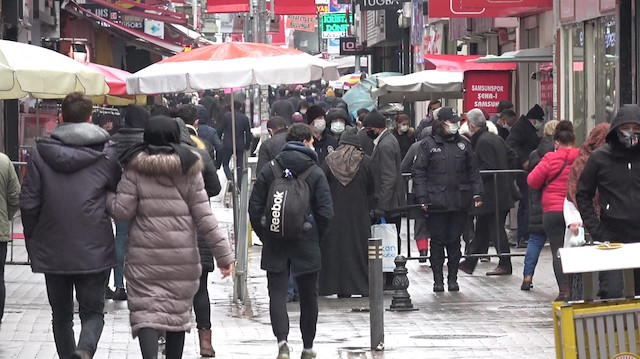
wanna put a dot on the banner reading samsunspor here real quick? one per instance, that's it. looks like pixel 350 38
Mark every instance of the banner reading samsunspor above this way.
pixel 485 89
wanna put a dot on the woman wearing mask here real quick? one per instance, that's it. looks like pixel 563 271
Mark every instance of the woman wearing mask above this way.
pixel 551 176
pixel 323 142
pixel 404 133
pixel 162 195
pixel 338 121
pixel 537 236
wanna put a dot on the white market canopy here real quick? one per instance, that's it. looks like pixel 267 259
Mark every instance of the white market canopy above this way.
pixel 419 86
pixel 230 65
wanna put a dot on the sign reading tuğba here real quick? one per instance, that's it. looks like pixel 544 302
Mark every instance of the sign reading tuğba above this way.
pixel 381 4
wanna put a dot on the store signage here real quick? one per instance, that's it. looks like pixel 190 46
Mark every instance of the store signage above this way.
pixel 129 21
pixel 335 25
pixel 155 28
pixel 349 46
pixel 487 9
pixel 546 84
pixel 381 4
pixel 485 89
pixel 433 39
pixel 301 22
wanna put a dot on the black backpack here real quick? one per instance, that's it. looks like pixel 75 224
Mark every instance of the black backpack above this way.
pixel 288 209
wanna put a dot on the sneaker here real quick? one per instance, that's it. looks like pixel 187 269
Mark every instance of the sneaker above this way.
pixel 283 352
pixel 308 354
pixel 120 294
pixel 108 293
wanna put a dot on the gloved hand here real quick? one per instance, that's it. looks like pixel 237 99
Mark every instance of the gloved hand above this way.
pixel 377 213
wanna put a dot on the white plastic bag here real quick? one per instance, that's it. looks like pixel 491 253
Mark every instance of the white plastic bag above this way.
pixel 572 240
pixel 389 235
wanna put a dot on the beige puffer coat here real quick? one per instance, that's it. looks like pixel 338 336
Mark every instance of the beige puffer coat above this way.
pixel 162 264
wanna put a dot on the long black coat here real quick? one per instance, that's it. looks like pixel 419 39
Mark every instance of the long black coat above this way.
pixel 345 267
pixel 304 253
pixel 492 153
pixel 390 190
pixel 523 138
pixel 535 195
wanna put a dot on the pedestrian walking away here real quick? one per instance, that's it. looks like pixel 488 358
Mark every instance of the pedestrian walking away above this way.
pixel 300 255
pixel 67 229
pixel 162 194
pixel 9 197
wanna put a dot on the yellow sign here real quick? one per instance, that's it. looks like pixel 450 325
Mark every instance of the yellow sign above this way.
pixel 127 5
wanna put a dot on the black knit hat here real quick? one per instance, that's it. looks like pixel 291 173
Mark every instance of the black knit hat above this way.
pixel 536 113
pixel 350 137
pixel 374 119
pixel 314 112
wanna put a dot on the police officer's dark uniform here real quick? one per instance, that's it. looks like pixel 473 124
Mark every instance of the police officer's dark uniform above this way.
pixel 446 177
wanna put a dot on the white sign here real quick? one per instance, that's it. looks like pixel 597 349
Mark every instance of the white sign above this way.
pixel 155 28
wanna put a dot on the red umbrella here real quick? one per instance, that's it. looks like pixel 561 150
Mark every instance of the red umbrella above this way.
pixel 115 78
pixel 462 63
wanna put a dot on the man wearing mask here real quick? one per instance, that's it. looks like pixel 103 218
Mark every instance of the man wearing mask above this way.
pixel 446 180
pixel 338 120
pixel 502 106
pixel 613 171
pixel 386 160
pixel 323 141
pixel 433 106
pixel 506 120
pixel 523 138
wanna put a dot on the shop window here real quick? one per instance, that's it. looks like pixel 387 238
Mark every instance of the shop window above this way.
pixel 606 64
pixel 578 99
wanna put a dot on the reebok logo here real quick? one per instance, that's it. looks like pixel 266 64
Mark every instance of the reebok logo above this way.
pixel 278 198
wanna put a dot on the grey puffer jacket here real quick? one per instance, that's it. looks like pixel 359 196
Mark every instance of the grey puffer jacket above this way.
pixel 63 201
pixel 162 266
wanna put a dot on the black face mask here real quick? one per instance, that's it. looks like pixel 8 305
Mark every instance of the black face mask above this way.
pixel 372 135
pixel 629 139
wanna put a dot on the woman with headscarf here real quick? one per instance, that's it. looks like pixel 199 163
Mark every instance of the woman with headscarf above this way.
pixel 597 139
pixel 344 247
pixel 162 194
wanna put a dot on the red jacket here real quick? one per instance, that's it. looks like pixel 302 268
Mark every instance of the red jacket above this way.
pixel 553 195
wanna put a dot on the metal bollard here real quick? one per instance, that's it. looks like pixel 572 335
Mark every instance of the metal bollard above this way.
pixel 376 298
pixel 401 301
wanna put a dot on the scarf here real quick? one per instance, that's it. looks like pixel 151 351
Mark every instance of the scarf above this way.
pixel 596 140
pixel 161 136
pixel 344 163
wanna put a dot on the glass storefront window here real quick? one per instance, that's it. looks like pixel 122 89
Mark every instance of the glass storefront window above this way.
pixel 606 64
pixel 578 100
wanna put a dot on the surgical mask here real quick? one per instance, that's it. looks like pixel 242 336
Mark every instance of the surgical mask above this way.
pixel 319 125
pixel 404 128
pixel 303 111
pixel 539 124
pixel 372 135
pixel 628 139
pixel 337 127
pixel 453 127
pixel 506 126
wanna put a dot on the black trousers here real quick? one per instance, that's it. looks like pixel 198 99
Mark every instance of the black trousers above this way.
pixel 554 227
pixel 3 289
pixel 446 229
pixel 90 295
pixel 278 284
pixel 201 303
pixel 148 339
pixel 486 230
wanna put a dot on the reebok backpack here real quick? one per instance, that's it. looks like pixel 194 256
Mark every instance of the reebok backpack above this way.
pixel 288 210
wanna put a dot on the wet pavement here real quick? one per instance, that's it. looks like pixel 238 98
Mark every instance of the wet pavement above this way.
pixel 489 318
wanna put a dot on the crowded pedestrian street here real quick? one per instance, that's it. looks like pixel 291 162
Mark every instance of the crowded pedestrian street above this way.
pixel 489 318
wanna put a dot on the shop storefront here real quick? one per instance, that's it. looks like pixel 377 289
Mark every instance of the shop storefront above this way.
pixel 588 64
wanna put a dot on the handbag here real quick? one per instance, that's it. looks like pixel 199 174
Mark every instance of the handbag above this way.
pixel 387 232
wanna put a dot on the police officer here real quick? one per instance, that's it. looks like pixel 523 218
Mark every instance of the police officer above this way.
pixel 447 181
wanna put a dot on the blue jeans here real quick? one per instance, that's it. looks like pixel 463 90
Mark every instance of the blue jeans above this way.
pixel 122 232
pixel 534 247
pixel 89 290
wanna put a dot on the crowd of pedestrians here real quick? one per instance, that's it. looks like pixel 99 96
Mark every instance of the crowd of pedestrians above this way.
pixel 136 202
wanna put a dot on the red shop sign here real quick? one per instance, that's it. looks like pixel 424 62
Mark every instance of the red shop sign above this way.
pixel 485 89
pixel 503 3
pixel 465 9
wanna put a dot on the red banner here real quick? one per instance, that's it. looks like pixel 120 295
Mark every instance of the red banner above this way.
pixel 295 7
pixel 464 9
pixel 503 3
pixel 485 89
pixel 227 6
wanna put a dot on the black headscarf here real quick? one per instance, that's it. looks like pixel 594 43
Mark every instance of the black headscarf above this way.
pixel 162 135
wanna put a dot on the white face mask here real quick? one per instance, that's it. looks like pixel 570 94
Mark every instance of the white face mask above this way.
pixel 337 127
pixel 319 125
pixel 453 127
pixel 404 128
pixel 303 111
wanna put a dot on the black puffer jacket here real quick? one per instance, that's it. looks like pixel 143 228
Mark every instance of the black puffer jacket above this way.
pixel 127 137
pixel 63 201
pixel 535 196
pixel 523 138
pixel 304 254
pixel 445 174
pixel 614 172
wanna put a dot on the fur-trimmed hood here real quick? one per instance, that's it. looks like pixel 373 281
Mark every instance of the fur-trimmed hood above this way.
pixel 163 164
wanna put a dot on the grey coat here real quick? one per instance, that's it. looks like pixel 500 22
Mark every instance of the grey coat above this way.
pixel 390 189
pixel 63 201
pixel 162 264
pixel 9 195
pixel 271 148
